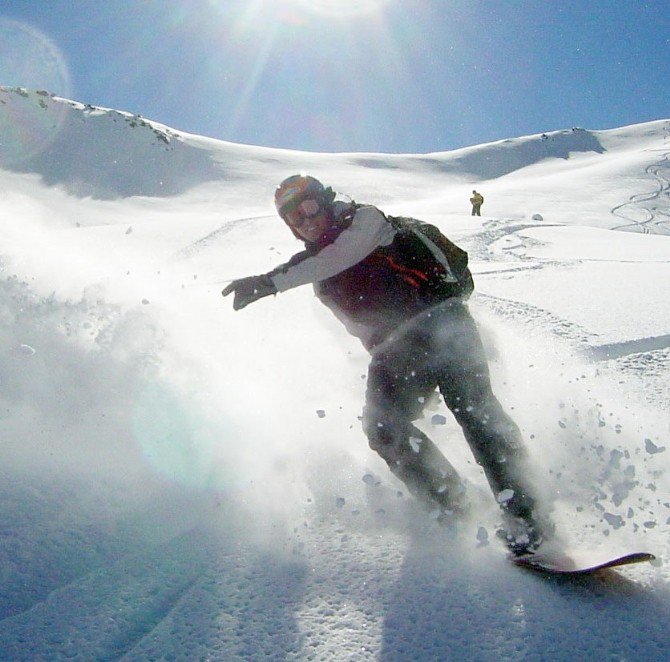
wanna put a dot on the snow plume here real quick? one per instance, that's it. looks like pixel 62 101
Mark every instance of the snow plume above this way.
pixel 67 348
pixel 597 453
pixel 190 421
pixel 85 396
pixel 153 412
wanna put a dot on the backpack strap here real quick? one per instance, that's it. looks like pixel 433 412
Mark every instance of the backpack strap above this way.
pixel 453 258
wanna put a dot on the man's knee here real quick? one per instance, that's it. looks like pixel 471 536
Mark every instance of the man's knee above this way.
pixel 386 435
pixel 377 429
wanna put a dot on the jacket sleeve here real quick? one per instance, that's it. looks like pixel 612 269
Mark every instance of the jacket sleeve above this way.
pixel 369 229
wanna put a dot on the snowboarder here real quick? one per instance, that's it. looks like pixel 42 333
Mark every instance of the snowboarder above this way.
pixel 477 201
pixel 401 287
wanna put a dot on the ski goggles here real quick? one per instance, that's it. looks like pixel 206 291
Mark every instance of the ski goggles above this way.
pixel 302 212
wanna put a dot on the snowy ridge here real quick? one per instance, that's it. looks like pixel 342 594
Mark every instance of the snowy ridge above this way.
pixel 107 153
pixel 181 481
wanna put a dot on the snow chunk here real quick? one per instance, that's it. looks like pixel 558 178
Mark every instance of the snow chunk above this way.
pixel 652 448
pixel 615 521
pixel 504 496
pixel 415 443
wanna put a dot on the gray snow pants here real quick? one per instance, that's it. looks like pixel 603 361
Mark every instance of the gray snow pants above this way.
pixel 442 349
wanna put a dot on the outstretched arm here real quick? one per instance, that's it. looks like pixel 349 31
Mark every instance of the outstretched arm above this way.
pixel 250 289
pixel 369 229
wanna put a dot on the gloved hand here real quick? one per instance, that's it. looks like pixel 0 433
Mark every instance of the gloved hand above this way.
pixel 250 289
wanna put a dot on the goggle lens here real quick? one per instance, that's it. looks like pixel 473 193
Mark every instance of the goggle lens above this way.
pixel 303 211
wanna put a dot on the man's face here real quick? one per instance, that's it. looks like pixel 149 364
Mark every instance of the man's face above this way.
pixel 308 220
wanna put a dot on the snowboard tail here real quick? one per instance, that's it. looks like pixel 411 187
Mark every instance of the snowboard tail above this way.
pixel 563 564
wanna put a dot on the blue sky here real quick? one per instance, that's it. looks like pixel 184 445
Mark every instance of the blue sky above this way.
pixel 403 76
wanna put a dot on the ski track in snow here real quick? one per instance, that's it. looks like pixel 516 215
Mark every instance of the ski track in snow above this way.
pixel 112 608
pixel 630 362
pixel 527 314
pixel 629 347
pixel 524 314
pixel 656 217
pixel 206 241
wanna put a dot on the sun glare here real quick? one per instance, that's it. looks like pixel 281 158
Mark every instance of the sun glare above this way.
pixel 342 8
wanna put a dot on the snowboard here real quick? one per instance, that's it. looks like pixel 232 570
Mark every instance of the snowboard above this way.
pixel 576 564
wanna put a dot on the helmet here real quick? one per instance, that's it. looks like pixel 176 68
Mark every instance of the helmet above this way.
pixel 297 188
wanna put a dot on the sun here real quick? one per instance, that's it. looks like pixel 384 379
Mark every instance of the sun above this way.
pixel 342 8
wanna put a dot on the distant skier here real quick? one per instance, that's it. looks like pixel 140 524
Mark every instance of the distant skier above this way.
pixel 401 286
pixel 477 201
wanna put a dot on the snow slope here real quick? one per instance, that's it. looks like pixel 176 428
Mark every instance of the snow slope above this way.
pixel 180 481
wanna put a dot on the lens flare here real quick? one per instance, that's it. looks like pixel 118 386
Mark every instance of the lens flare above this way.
pixel 29 60
pixel 179 442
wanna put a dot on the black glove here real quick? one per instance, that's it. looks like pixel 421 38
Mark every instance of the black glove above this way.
pixel 250 289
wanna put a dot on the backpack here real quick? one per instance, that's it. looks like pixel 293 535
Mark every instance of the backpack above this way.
pixel 423 257
pixel 437 266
